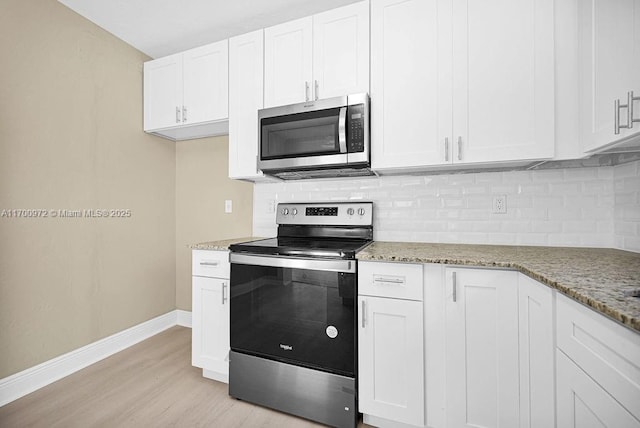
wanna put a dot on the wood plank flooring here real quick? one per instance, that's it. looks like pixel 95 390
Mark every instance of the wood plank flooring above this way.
pixel 151 384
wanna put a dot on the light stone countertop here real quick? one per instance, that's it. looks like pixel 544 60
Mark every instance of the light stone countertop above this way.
pixel 598 277
pixel 221 245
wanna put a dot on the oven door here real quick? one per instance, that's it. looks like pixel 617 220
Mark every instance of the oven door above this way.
pixel 297 311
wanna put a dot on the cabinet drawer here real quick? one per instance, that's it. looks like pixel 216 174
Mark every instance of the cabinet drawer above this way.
pixel 396 280
pixel 606 351
pixel 213 264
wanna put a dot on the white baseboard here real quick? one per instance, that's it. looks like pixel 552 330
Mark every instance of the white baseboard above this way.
pixel 184 318
pixel 31 379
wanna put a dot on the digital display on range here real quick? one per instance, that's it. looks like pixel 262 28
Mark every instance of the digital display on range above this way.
pixel 322 211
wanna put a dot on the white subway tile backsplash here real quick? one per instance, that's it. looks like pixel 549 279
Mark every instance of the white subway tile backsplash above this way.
pixel 596 206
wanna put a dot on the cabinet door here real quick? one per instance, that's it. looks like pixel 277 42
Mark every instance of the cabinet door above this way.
pixel 245 99
pixel 610 65
pixel 482 348
pixel 583 403
pixel 210 331
pixel 287 63
pixel 410 83
pixel 390 359
pixel 206 83
pixel 503 80
pixel 535 310
pixel 163 92
pixel 341 51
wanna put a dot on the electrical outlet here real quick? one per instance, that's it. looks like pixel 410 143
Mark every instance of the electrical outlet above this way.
pixel 228 206
pixel 271 208
pixel 500 204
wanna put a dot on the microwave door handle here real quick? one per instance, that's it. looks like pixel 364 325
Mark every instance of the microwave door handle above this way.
pixel 342 130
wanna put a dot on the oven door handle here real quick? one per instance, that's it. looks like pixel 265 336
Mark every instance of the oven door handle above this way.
pixel 329 265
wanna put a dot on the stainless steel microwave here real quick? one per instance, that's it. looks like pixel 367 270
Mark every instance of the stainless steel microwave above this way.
pixel 323 138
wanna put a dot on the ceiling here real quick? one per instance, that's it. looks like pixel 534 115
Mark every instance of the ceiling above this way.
pixel 164 27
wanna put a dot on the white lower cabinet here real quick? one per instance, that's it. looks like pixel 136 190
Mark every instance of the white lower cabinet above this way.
pixel 390 346
pixel 582 403
pixel 536 349
pixel 499 350
pixel 598 369
pixel 482 373
pixel 210 314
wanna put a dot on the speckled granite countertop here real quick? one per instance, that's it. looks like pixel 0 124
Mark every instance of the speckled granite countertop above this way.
pixel 222 245
pixel 598 277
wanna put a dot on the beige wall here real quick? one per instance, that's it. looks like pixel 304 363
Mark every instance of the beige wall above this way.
pixel 202 186
pixel 71 138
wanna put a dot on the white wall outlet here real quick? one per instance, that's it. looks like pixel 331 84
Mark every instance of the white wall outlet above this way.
pixel 271 208
pixel 228 206
pixel 500 204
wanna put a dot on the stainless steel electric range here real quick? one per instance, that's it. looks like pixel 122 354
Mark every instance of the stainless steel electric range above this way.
pixel 293 312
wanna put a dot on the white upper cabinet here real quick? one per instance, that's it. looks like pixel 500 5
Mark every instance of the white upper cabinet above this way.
pixel 503 80
pixel 205 74
pixel 315 57
pixel 185 93
pixel 287 62
pixel 610 69
pixel 407 89
pixel 163 92
pixel 341 51
pixel 245 99
pixel 461 82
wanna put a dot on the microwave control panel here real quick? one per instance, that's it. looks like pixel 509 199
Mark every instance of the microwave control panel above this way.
pixel 355 128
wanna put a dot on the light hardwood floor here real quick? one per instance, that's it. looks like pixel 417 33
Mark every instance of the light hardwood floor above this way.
pixel 151 384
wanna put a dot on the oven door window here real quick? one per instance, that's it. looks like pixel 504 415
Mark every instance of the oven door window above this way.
pixel 300 135
pixel 303 317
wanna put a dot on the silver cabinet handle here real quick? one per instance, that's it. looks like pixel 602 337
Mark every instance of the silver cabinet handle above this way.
pixel 364 313
pixel 206 263
pixel 342 130
pixel 630 101
pixel 224 287
pixel 455 286
pixel 177 114
pixel 184 114
pixel 306 90
pixel 389 279
pixel 616 115
pixel 460 148
pixel 316 90
pixel 446 149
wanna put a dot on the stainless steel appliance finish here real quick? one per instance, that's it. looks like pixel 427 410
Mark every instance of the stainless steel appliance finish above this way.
pixel 345 266
pixel 322 138
pixel 293 312
pixel 323 397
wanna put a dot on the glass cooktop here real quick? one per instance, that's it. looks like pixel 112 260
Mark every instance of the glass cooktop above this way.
pixel 304 247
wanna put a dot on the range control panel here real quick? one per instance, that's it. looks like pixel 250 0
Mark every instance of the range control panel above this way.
pixel 330 213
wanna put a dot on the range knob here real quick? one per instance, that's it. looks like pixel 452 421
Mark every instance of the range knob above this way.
pixel 350 211
pixel 360 211
pixel 285 211
pixel 294 211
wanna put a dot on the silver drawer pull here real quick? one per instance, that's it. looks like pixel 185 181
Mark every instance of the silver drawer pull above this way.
pixel 210 263
pixel 364 313
pixel 389 279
